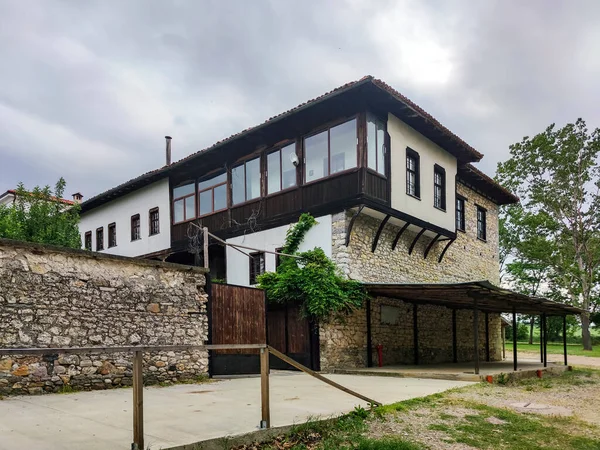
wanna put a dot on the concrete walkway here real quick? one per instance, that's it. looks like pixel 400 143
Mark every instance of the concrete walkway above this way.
pixel 185 414
pixel 573 360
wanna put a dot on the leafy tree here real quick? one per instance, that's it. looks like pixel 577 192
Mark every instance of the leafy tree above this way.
pixel 311 280
pixel 556 174
pixel 39 216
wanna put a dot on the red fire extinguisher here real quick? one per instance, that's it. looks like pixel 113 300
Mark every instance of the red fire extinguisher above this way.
pixel 380 354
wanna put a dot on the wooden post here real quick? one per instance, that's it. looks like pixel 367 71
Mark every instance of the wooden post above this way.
pixel 138 402
pixel 503 343
pixel 487 337
pixel 415 334
pixel 514 327
pixel 545 341
pixel 454 345
pixel 565 338
pixel 476 334
pixel 264 389
pixel 541 339
pixel 205 245
pixel 369 336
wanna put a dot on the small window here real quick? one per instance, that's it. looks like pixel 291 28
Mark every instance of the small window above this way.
pixel 278 257
pixel 257 266
pixel 281 171
pixel 212 194
pixel 413 186
pixel 88 240
pixel 184 203
pixel 439 187
pixel 330 151
pixel 112 235
pixel 375 144
pixel 460 213
pixel 481 223
pixel 99 239
pixel 135 227
pixel 154 221
pixel 245 181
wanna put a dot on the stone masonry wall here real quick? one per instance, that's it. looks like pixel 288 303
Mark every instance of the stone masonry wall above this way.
pixel 467 259
pixel 51 297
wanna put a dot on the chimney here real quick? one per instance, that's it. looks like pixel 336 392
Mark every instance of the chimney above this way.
pixel 168 139
pixel 77 197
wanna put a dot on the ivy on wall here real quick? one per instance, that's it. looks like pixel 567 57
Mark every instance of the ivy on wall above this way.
pixel 312 280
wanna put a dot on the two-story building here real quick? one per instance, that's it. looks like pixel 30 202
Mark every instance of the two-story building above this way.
pixel 394 191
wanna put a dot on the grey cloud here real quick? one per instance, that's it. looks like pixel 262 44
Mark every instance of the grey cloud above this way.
pixel 92 87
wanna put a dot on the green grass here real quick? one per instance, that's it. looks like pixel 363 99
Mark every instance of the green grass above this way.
pixel 572 349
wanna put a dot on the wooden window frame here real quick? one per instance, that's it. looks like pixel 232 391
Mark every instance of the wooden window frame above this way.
pixel 253 273
pixel 278 257
pixel 112 233
pixel 439 170
pixel 212 196
pixel 266 183
pixel 100 242
pixel 328 129
pixel 410 153
pixel 184 198
pixel 460 217
pixel 481 223
pixel 386 151
pixel 138 228
pixel 88 234
pixel 151 231
pixel 260 174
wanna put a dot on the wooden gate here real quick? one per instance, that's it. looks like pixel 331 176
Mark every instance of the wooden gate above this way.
pixel 292 335
pixel 237 316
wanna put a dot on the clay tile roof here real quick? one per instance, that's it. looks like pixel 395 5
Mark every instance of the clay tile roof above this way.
pixel 157 174
pixel 482 182
pixel 61 200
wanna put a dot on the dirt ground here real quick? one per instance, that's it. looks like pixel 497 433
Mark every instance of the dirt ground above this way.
pixel 572 398
pixel 573 360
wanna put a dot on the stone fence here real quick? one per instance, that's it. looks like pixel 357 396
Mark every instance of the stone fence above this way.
pixel 56 297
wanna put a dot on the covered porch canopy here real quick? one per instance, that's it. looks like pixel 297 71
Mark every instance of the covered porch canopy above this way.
pixel 479 296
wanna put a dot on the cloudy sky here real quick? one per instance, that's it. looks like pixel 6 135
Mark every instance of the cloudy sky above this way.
pixel 88 88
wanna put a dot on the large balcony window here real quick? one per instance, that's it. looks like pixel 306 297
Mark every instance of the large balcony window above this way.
pixel 184 203
pixel 245 181
pixel 375 144
pixel 331 151
pixel 212 194
pixel 281 171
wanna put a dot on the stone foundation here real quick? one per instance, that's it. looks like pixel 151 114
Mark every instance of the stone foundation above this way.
pixel 51 297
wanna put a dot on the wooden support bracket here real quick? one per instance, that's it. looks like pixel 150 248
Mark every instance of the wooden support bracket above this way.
pixel 351 224
pixel 414 242
pixel 378 234
pixel 430 245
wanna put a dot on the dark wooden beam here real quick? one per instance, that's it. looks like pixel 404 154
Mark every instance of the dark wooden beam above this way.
pixel 379 230
pixel 564 335
pixel 541 340
pixel 454 346
pixel 369 336
pixel 433 241
pixel 351 224
pixel 400 233
pixel 487 337
pixel 545 340
pixel 415 333
pixel 514 330
pixel 445 250
pixel 414 242
pixel 476 334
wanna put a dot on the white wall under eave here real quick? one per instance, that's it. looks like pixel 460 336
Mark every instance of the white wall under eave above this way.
pixel 238 265
pixel 120 211
pixel 402 136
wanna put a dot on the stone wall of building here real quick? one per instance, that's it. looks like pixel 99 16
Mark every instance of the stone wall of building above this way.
pixel 51 297
pixel 467 259
pixel 344 341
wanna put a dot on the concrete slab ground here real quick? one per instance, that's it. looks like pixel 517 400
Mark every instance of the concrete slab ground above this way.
pixel 459 371
pixel 186 414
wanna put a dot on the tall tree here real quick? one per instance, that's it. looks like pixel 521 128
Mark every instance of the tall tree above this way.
pixel 40 216
pixel 557 175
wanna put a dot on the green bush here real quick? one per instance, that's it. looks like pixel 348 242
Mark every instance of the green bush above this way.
pixel 522 332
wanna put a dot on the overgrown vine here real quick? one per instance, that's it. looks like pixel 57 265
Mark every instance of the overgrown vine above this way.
pixel 312 281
